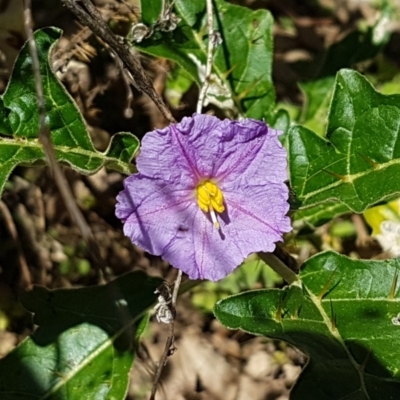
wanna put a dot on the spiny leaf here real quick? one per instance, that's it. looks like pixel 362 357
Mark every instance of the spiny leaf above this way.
pixel 19 121
pixel 358 163
pixel 344 314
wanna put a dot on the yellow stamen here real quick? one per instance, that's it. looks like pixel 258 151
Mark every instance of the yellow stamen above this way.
pixel 210 199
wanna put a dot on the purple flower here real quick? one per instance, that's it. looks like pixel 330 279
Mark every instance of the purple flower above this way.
pixel 208 193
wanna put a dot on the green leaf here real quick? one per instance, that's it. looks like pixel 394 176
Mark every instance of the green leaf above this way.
pixel 191 11
pixel 150 11
pixel 241 79
pixel 83 348
pixel 5 127
pixel 317 98
pixel 319 215
pixel 177 84
pixel 19 121
pixel 358 164
pixel 344 314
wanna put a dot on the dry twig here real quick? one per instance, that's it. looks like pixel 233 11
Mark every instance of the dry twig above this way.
pixel 169 347
pixel 25 279
pixel 89 16
pixel 63 56
pixel 45 138
pixel 62 184
pixel 210 50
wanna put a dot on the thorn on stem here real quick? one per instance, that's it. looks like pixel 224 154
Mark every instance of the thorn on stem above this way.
pixel 333 317
pixel 324 290
pixel 280 311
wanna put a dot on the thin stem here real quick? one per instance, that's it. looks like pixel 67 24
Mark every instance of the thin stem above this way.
pixel 168 350
pixel 25 278
pixel 210 50
pixel 279 267
pixel 169 347
pixel 45 139
pixel 189 285
pixel 287 259
pixel 177 284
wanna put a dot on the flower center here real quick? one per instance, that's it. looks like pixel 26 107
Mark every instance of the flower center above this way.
pixel 210 199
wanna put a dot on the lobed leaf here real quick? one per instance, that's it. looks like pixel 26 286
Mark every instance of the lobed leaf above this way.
pixel 83 348
pixel 343 313
pixel 358 163
pixel 241 79
pixel 19 121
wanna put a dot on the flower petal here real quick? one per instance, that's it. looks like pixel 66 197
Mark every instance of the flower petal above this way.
pixel 250 224
pixel 186 151
pixel 254 154
pixel 202 252
pixel 153 212
pixel 259 209
pixel 205 147
pixel 158 206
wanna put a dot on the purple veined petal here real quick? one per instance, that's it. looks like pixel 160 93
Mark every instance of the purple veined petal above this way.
pixel 262 208
pixel 159 205
pixel 219 148
pixel 247 226
pixel 183 150
pixel 201 137
pixel 203 147
pixel 203 252
pixel 153 212
pixel 259 159
pixel 160 159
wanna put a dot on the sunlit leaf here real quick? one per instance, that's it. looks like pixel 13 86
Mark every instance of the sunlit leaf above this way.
pixel 242 65
pixel 358 163
pixel 19 121
pixel 344 314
